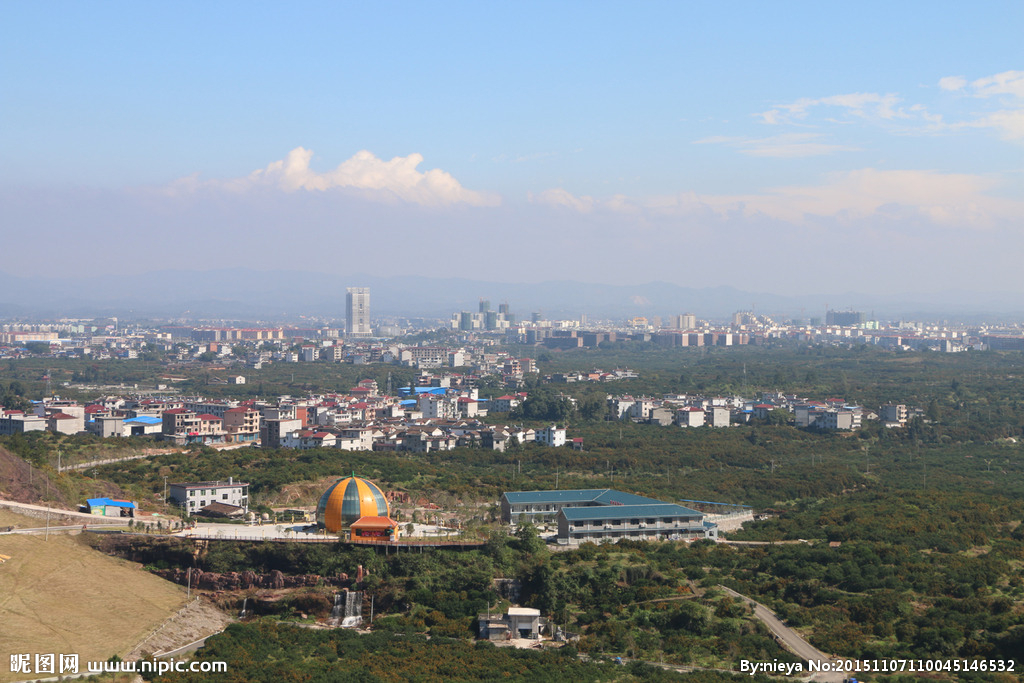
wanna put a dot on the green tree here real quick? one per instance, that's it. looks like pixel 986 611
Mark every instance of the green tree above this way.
pixel 528 540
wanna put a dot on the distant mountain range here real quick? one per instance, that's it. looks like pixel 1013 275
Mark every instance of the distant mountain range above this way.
pixel 246 294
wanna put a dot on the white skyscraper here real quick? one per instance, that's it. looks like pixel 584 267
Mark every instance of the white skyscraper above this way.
pixel 357 312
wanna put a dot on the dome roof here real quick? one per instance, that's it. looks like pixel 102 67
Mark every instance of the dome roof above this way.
pixel 349 499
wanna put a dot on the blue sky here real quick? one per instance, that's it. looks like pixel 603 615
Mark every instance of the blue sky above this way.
pixel 879 144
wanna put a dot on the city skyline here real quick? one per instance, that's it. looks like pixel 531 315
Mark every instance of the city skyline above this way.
pixel 874 148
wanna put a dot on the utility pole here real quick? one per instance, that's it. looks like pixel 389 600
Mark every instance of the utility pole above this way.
pixel 165 490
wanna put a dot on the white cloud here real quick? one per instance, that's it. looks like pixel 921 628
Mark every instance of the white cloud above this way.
pixel 560 197
pixel 866 104
pixel 952 83
pixel 958 200
pixel 787 146
pixel 860 105
pixel 1008 120
pixel 1005 83
pixel 378 179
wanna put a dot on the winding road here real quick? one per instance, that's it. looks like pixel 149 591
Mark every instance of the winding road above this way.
pixel 790 639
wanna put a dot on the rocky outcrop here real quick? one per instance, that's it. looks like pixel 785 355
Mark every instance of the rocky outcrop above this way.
pixel 214 581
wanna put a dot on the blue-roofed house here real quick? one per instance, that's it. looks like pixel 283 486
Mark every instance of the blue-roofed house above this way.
pixel 110 507
pixel 142 425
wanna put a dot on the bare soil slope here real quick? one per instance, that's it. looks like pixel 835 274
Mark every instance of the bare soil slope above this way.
pixel 22 483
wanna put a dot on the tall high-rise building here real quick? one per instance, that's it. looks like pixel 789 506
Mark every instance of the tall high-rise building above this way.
pixel 844 318
pixel 357 312
pixel 686 321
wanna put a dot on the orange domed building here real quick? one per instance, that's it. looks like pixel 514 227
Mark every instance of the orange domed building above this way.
pixel 352 499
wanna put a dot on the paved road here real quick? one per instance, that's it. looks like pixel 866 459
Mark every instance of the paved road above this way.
pixel 60 511
pixel 55 529
pixel 789 638
pixel 191 647
pixel 726 541
pixel 107 461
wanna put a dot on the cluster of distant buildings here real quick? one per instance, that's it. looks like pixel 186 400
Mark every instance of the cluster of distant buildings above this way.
pixel 418 419
pixel 438 412
pixel 362 341
pixel 698 411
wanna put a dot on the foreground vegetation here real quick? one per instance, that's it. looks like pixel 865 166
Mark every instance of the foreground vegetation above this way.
pixel 270 652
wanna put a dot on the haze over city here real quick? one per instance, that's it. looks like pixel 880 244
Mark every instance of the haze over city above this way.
pixel 870 147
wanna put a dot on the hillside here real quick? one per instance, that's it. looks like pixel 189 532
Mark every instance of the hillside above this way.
pixel 60 596
pixel 23 483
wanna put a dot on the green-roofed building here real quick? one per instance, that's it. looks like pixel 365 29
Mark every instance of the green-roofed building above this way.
pixel 598 515
pixel 653 522
pixel 543 506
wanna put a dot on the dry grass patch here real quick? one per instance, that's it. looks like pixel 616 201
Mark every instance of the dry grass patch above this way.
pixel 9 518
pixel 60 596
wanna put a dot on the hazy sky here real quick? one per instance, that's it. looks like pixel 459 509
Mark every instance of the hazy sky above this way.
pixel 780 147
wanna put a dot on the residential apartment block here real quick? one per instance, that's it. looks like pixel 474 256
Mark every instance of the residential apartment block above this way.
pixel 195 497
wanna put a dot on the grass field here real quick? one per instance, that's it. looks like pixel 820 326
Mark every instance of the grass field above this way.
pixel 62 597
pixel 8 518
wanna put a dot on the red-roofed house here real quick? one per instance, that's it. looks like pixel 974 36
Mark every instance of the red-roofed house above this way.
pixel 468 407
pixel 690 417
